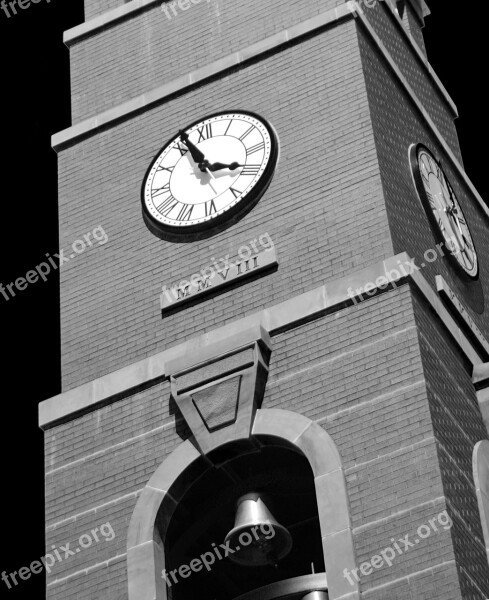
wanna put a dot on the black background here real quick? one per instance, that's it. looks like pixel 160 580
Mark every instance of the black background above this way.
pixel 35 104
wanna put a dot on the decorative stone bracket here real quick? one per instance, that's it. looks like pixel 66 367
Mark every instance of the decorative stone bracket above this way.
pixel 219 387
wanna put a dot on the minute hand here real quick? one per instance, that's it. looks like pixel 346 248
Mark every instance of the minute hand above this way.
pixel 197 154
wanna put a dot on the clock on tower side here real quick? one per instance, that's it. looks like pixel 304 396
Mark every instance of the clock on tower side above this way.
pixel 438 220
pixel 364 431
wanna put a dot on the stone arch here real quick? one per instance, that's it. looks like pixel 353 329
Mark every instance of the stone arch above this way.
pixel 145 549
pixel 480 466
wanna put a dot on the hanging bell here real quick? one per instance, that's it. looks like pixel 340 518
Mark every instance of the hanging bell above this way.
pixel 257 538
pixel 316 596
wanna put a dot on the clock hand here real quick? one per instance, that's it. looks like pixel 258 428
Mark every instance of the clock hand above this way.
pixel 197 155
pixel 210 181
pixel 217 166
pixel 204 167
pixel 453 211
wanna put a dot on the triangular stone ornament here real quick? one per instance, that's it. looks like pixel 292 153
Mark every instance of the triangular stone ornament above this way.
pixel 218 404
pixel 219 387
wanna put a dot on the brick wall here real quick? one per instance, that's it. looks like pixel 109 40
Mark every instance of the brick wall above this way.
pixel 371 397
pixel 94 8
pixel 323 226
pixel 456 418
pixel 458 426
pixel 393 136
pixel 411 66
pixel 414 25
pixel 381 377
pixel 148 50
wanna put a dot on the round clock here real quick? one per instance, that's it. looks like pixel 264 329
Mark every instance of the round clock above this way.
pixel 209 174
pixel 443 208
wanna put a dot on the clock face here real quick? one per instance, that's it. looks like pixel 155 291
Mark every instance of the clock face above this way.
pixel 210 172
pixel 443 208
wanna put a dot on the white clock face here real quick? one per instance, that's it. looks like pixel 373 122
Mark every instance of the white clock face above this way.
pixel 450 220
pixel 208 170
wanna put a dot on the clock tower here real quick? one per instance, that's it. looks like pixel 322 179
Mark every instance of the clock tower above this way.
pixel 276 365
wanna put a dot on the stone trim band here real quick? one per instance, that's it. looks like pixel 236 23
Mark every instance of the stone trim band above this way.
pixel 114 115
pixel 348 11
pixel 326 299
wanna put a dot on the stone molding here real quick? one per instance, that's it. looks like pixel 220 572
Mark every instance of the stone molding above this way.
pixel 326 299
pixel 145 101
pixel 426 117
pixel 145 544
pixel 351 9
pixel 480 466
pixel 218 391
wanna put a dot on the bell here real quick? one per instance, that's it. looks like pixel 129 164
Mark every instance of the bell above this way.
pixel 316 596
pixel 257 538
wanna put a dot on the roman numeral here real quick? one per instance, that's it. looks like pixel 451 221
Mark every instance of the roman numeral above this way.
pixel 426 164
pixel 167 206
pixel 183 150
pixel 230 123
pixel 235 193
pixel 468 257
pixel 247 132
pixel 210 208
pixel 205 132
pixel 251 170
pixel 185 212
pixel 161 190
pixel 256 148
pixel 162 168
pixel 431 200
pixel 438 172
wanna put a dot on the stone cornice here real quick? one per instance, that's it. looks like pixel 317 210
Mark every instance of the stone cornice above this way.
pixel 326 299
pixel 426 117
pixel 131 9
pixel 422 57
pixel 106 20
pixel 128 10
pixel 145 101
pixel 132 107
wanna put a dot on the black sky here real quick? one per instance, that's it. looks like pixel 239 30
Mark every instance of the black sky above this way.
pixel 34 105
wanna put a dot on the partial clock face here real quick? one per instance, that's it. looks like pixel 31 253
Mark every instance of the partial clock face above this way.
pixel 443 208
pixel 209 172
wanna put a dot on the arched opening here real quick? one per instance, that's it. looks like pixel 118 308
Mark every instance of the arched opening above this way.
pixel 152 516
pixel 480 467
pixel 198 563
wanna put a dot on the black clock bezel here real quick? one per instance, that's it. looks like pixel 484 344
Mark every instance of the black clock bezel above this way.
pixel 206 229
pixel 414 151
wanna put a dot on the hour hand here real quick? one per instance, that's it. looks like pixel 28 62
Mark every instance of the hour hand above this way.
pixel 196 154
pixel 217 166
